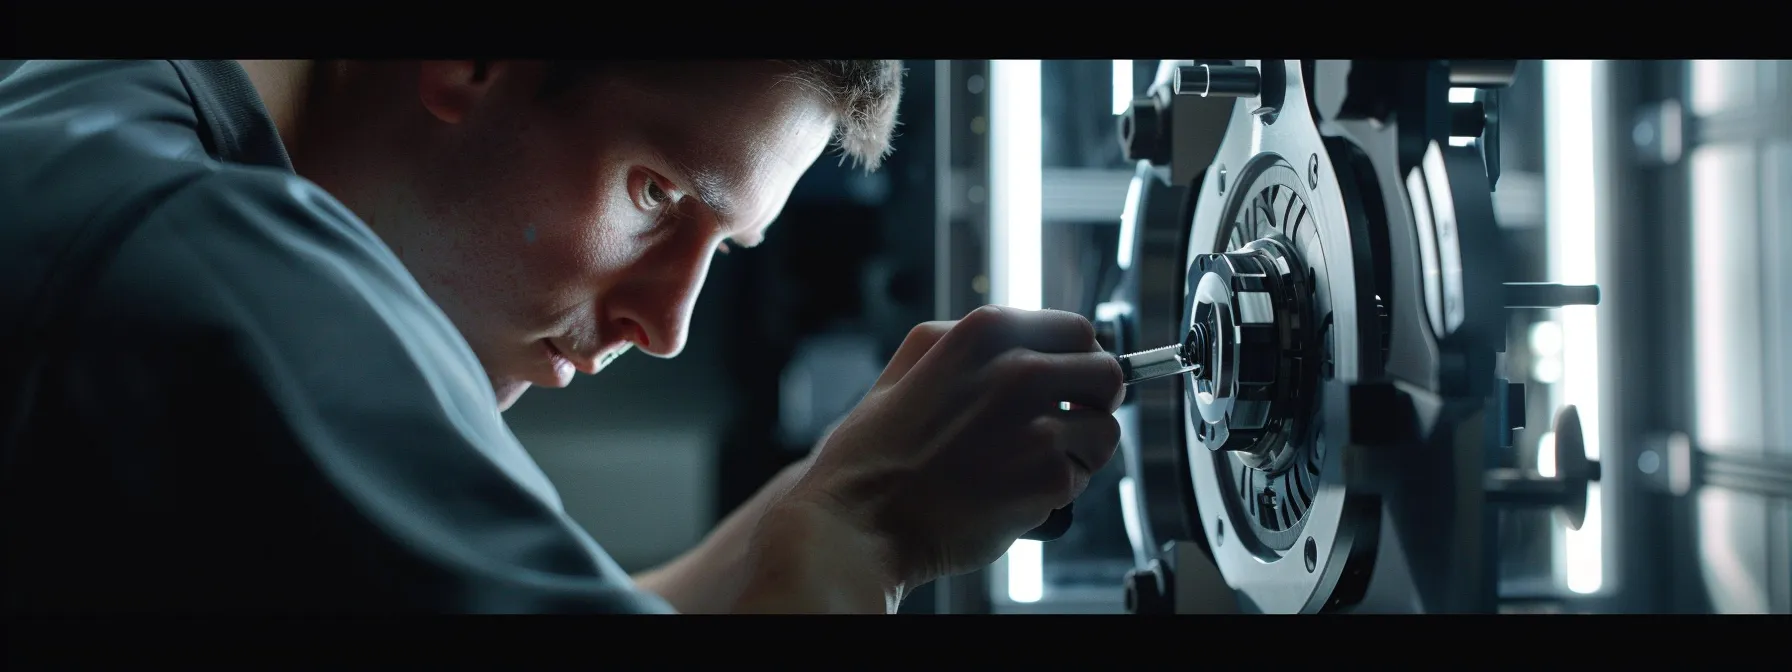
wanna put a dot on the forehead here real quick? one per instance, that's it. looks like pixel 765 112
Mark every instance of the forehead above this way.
pixel 740 141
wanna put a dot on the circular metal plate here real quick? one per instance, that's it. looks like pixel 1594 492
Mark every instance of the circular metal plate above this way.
pixel 1281 183
pixel 1269 507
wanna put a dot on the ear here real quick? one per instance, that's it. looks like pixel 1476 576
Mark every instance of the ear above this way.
pixel 451 89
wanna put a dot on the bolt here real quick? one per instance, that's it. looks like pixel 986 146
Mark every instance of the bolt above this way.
pixel 1145 591
pixel 1222 180
pixel 1145 133
pixel 1313 172
pixel 1218 81
pixel 1196 349
pixel 1312 555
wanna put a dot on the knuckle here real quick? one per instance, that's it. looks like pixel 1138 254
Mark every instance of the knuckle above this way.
pixel 926 331
pixel 1022 369
pixel 1085 330
pixel 984 317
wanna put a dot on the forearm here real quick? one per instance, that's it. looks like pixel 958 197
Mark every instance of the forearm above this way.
pixel 806 560
pixel 709 578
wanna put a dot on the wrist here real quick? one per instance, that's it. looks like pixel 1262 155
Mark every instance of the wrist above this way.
pixel 809 558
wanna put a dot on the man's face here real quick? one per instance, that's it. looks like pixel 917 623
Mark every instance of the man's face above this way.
pixel 558 232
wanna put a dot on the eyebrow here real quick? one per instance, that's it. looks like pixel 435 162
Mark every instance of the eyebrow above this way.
pixel 710 188
pixel 716 192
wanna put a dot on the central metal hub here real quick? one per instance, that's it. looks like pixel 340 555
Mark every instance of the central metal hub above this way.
pixel 1250 336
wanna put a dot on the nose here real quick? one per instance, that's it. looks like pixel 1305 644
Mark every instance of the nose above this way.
pixel 653 306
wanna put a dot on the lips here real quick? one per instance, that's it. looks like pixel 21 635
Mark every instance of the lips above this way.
pixel 588 362
pixel 585 364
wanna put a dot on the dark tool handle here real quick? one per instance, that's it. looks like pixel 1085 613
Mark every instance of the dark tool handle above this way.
pixel 1054 527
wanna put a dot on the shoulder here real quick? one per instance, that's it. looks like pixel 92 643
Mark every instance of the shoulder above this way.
pixel 124 109
pixel 55 84
pixel 249 247
pixel 261 277
pixel 89 146
pixel 296 283
pixel 246 224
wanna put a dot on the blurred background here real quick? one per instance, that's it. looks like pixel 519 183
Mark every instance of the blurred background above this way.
pixel 1667 182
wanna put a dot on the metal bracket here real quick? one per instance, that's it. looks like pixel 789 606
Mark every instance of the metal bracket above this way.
pixel 1488 140
pixel 1659 133
pixel 1671 464
pixel 1183 580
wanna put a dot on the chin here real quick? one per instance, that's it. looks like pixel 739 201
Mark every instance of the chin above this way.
pixel 508 392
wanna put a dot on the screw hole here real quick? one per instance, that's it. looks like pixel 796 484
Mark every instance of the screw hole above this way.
pixel 1219 530
pixel 1312 555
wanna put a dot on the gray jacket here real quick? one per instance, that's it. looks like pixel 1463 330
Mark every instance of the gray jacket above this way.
pixel 219 390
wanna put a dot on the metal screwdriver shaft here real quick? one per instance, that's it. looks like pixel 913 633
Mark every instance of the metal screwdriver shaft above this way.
pixel 1156 363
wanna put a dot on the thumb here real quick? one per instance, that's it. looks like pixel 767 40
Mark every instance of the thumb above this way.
pixel 920 339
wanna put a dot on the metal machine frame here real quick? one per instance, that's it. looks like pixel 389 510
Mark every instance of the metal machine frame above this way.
pixel 1343 441
pixel 1652 133
pixel 1653 561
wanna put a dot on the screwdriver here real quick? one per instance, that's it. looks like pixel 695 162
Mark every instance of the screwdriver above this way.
pixel 1139 367
pixel 1157 363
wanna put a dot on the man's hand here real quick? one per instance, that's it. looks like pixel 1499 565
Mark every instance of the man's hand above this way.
pixel 960 448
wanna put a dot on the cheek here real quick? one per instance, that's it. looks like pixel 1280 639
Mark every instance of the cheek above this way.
pixel 576 246
pixel 527 231
pixel 515 248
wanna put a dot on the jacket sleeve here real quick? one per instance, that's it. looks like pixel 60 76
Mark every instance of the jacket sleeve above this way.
pixel 272 394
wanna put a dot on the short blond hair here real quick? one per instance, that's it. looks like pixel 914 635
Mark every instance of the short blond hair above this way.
pixel 864 94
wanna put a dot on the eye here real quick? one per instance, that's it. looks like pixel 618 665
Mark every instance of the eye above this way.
pixel 653 195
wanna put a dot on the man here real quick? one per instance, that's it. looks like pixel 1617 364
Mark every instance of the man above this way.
pixel 262 319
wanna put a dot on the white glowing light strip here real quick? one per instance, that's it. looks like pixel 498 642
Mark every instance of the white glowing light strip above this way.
pixel 1572 218
pixel 1122 86
pixel 1015 256
pixel 1128 228
pixel 1015 135
pixel 1461 94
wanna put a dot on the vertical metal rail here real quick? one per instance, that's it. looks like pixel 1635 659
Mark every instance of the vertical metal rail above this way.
pixel 961 280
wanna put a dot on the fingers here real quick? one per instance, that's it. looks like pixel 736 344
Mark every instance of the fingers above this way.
pixel 1054 331
pixel 988 333
pixel 1079 443
pixel 1040 380
pixel 995 329
pixel 1088 438
pixel 919 342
